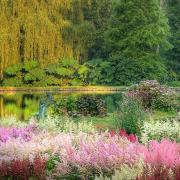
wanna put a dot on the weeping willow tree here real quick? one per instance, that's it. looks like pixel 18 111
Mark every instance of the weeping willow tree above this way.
pixel 45 30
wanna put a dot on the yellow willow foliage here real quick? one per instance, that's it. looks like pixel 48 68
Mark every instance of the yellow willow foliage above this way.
pixel 33 29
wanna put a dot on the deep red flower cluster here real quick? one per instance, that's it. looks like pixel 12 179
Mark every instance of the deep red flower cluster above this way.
pixel 160 173
pixel 122 133
pixel 24 169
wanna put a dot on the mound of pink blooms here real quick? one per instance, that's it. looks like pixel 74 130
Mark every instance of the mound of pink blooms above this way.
pixel 165 153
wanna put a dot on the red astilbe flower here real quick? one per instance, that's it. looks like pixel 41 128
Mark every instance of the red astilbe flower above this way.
pixel 4 169
pixel 20 168
pixel 177 173
pixel 122 133
pixel 39 168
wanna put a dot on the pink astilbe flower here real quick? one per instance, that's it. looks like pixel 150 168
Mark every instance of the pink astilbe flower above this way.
pixel 165 153
pixel 8 133
pixel 102 152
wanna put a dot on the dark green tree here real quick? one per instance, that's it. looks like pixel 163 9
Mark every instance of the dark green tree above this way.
pixel 98 14
pixel 173 55
pixel 137 28
pixel 137 33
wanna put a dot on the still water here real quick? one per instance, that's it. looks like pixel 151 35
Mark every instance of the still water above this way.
pixel 25 105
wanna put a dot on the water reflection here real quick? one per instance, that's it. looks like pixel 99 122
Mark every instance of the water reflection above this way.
pixel 25 105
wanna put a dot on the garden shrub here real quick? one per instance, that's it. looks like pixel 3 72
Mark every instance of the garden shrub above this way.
pixel 65 106
pixel 91 106
pixel 67 71
pixel 85 105
pixel 153 95
pixel 130 115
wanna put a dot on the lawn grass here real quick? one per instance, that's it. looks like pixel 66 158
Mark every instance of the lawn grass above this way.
pixel 107 122
pixel 158 115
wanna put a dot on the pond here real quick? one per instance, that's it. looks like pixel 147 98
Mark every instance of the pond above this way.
pixel 23 105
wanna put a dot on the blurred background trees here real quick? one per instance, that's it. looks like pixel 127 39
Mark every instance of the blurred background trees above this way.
pixel 106 42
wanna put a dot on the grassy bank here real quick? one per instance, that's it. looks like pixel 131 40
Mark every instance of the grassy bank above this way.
pixel 70 89
pixel 65 88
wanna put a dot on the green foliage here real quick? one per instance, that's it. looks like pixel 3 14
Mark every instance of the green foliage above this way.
pixel 27 73
pixel 51 163
pixel 130 115
pixel 66 72
pixel 29 65
pixel 173 55
pixel 166 102
pixel 86 105
pixel 66 124
pixel 174 83
pixel 98 14
pixel 137 28
pixel 120 42
pixel 13 70
pixel 136 33
pixel 128 71
pixel 91 106
pixel 65 106
pixel 100 72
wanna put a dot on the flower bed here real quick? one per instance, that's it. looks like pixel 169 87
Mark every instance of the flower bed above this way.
pixel 83 155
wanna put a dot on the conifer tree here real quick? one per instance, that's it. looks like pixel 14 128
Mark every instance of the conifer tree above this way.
pixel 137 28
pixel 173 55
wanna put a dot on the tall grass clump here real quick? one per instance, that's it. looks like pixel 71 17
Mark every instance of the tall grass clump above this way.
pixel 130 115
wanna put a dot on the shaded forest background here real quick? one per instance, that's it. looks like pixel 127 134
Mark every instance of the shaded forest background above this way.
pixel 80 42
